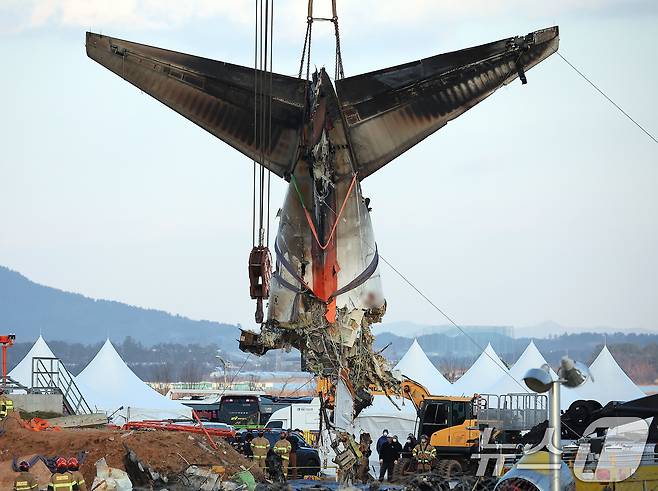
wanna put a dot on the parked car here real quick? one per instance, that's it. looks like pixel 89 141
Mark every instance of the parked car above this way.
pixel 308 458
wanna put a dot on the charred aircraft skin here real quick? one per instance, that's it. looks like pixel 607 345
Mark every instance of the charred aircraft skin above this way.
pixel 326 291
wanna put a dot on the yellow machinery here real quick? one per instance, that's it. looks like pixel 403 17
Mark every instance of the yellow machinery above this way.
pixel 449 422
pixel 624 460
pixel 530 473
pixel 454 424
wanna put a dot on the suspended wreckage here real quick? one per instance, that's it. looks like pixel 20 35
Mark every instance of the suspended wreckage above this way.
pixel 324 139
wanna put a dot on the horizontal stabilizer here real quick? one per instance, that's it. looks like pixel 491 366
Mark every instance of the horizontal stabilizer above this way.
pixel 217 96
pixel 389 111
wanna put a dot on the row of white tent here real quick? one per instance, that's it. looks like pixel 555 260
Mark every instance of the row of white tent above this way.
pixel 490 375
pixel 108 384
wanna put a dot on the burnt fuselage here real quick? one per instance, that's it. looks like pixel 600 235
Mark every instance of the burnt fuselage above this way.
pixel 326 290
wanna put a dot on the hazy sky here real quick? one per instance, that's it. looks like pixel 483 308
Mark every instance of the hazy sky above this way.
pixel 540 203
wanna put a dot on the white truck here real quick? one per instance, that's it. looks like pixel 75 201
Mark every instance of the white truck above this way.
pixel 301 416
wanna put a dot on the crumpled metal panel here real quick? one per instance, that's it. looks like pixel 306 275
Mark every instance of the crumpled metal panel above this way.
pixel 326 292
pixel 217 96
pixel 390 110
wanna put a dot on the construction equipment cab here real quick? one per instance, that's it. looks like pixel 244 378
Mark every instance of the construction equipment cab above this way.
pixel 449 423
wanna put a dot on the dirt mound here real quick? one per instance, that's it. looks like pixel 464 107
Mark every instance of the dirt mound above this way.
pixel 165 452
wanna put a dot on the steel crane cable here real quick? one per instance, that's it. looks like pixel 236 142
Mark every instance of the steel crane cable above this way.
pixel 263 51
pixel 306 50
pixel 468 336
pixel 606 96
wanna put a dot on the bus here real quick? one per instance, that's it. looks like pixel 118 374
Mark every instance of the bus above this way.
pixel 242 411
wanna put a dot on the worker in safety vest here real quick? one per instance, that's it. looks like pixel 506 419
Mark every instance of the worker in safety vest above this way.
pixel 424 454
pixel 6 405
pixel 74 469
pixel 24 481
pixel 282 448
pixel 260 446
pixel 62 479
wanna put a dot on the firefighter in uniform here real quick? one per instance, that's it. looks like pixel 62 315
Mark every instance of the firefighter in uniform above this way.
pixel 282 448
pixel 424 454
pixel 260 446
pixel 6 405
pixel 24 481
pixel 62 479
pixel 364 461
pixel 74 469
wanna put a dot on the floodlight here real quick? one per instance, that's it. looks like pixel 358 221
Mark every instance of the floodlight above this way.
pixel 573 373
pixel 538 379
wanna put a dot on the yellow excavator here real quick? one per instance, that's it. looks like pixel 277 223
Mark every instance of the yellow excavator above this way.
pixel 450 423
pixel 455 424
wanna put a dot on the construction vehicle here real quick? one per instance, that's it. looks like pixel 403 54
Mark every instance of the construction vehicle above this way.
pixel 614 471
pixel 6 341
pixel 6 405
pixel 456 425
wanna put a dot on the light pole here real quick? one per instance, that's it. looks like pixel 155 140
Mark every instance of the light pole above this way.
pixel 225 366
pixel 570 374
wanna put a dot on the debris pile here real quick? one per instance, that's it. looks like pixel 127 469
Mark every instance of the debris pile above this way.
pixel 168 454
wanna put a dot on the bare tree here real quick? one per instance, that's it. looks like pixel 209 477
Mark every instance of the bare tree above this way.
pixel 163 372
pixel 190 372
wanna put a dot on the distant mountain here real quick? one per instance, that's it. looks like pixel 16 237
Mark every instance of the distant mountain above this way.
pixel 412 330
pixel 542 330
pixel 27 309
pixel 548 328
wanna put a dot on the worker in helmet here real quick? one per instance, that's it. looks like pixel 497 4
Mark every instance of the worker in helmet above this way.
pixel 364 462
pixel 74 469
pixel 247 448
pixel 294 445
pixel 62 479
pixel 260 446
pixel 24 481
pixel 282 448
pixel 424 454
pixel 6 405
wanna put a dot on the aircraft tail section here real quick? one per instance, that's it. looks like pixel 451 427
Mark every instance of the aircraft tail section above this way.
pixel 390 110
pixel 217 96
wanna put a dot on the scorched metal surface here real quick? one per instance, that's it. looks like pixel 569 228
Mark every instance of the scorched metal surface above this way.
pixel 326 290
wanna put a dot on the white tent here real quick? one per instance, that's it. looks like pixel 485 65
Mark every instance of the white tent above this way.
pixel 22 373
pixel 486 370
pixel 513 383
pixel 400 421
pixel 416 365
pixel 608 382
pixel 108 383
